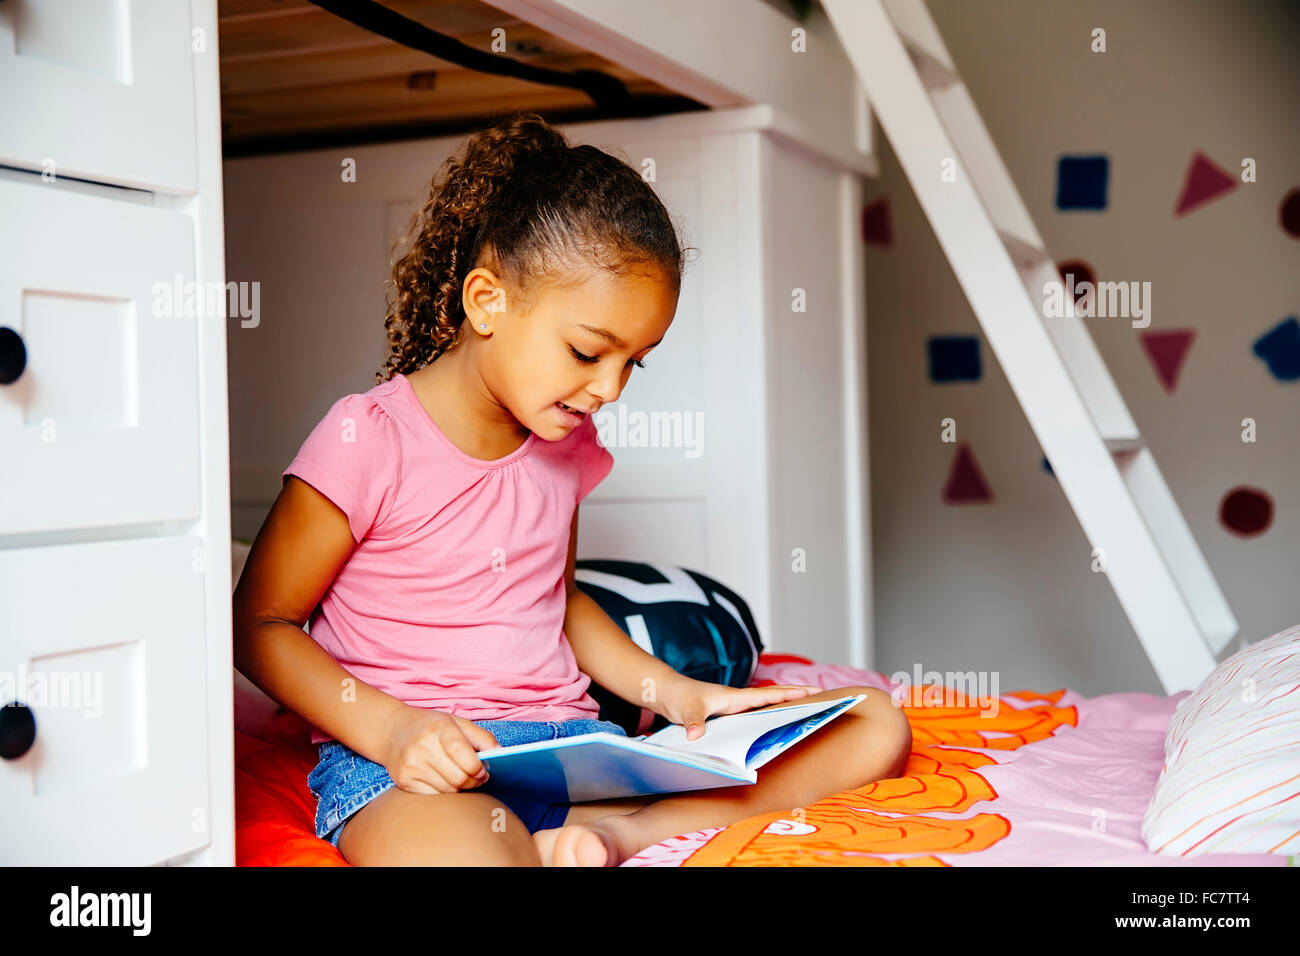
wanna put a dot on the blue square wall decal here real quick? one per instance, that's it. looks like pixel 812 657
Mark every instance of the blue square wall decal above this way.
pixel 954 358
pixel 1081 182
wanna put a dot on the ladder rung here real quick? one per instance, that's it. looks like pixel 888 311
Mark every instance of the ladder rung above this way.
pixel 1177 546
pixel 1079 353
pixel 934 75
pixel 1026 255
pixel 979 156
pixel 1124 446
pixel 917 29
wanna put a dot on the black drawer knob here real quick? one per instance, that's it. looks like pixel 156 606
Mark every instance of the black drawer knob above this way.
pixel 17 730
pixel 13 356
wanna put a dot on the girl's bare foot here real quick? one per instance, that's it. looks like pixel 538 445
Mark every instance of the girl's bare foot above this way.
pixel 606 841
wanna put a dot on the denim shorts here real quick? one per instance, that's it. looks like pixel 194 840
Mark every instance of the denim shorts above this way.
pixel 343 781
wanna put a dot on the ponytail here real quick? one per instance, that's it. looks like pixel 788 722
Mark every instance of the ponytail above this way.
pixel 521 201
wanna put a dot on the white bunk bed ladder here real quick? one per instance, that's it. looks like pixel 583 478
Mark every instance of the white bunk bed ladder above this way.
pixel 1082 424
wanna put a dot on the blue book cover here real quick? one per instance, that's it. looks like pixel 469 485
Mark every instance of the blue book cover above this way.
pixel 605 766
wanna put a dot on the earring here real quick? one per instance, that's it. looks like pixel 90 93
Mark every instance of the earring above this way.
pixel 482 325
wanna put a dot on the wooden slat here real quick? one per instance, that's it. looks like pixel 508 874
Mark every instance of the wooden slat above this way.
pixel 545 100
pixel 318 30
pixel 297 23
pixel 289 67
pixel 376 57
pixel 390 94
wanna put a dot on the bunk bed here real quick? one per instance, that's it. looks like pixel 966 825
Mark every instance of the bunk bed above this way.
pixel 1025 777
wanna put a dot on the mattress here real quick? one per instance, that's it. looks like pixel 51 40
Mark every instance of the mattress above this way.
pixel 1045 778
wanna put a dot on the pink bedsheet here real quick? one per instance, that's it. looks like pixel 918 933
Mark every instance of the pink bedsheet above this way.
pixel 1074 797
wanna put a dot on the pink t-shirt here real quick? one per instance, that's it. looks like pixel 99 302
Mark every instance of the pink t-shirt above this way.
pixel 454 597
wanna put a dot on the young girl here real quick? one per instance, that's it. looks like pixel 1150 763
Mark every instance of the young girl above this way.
pixel 427 529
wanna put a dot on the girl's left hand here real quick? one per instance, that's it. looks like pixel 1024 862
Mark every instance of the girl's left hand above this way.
pixel 693 701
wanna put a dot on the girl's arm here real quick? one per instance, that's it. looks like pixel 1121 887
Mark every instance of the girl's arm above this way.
pixel 605 654
pixel 303 543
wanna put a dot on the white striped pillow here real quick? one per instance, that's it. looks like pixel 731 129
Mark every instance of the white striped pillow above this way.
pixel 1231 777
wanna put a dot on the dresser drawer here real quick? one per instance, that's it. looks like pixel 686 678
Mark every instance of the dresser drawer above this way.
pixel 102 427
pixel 102 90
pixel 105 642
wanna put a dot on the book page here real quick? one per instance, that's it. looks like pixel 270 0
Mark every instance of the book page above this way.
pixel 774 742
pixel 730 736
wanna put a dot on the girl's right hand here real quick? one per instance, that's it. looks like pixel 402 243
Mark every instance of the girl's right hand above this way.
pixel 433 752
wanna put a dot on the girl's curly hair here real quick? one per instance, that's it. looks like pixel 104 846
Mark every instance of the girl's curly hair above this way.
pixel 524 203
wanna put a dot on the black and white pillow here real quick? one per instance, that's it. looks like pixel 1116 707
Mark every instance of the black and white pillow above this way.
pixel 695 625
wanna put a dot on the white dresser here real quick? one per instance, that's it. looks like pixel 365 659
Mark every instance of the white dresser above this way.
pixel 114 498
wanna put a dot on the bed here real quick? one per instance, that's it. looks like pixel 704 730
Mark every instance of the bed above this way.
pixel 1053 778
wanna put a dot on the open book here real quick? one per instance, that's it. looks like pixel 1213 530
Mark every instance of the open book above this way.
pixel 606 766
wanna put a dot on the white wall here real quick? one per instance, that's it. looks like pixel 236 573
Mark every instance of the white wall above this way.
pixel 1007 586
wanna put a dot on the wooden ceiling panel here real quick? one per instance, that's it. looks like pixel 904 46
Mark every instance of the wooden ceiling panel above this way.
pixel 368 104
pixel 372 57
pixel 295 76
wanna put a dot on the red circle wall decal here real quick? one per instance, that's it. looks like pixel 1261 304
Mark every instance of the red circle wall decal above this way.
pixel 1246 511
pixel 1081 271
pixel 1289 213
